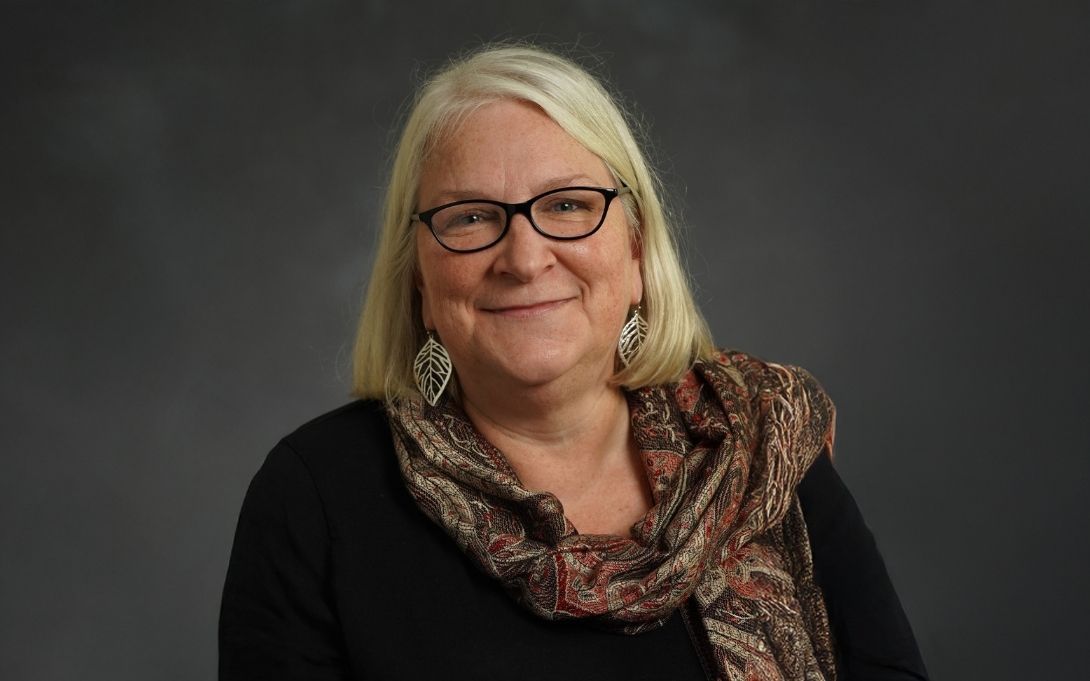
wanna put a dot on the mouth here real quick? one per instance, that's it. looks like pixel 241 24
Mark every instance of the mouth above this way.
pixel 527 311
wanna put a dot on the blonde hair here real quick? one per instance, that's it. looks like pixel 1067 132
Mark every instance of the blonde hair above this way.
pixel 390 329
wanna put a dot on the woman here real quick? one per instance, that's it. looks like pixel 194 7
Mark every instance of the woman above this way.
pixel 552 471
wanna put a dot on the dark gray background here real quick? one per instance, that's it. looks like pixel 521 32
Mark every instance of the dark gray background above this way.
pixel 891 194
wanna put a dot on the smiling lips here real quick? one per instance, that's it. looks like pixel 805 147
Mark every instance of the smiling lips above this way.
pixel 524 311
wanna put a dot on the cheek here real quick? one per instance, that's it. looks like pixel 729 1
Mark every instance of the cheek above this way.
pixel 622 269
pixel 424 291
pixel 434 293
pixel 445 288
pixel 435 278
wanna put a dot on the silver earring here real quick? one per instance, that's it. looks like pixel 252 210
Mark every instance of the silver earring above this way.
pixel 432 369
pixel 633 334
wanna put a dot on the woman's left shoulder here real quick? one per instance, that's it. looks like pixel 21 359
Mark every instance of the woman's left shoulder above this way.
pixel 765 379
pixel 783 397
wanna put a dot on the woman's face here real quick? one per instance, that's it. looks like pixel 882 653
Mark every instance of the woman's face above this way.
pixel 529 311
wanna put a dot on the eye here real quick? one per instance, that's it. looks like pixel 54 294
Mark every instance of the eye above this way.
pixel 565 204
pixel 468 217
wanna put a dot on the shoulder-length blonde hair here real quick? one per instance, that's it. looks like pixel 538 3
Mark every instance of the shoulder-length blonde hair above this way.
pixel 390 329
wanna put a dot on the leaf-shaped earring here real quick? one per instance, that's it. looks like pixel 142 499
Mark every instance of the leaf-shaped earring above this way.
pixel 432 369
pixel 633 334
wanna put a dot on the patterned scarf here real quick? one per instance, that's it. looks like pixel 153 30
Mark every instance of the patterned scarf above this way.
pixel 724 450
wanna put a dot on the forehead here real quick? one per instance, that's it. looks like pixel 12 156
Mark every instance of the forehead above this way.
pixel 511 147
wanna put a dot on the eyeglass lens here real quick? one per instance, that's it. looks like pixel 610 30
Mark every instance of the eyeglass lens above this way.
pixel 564 214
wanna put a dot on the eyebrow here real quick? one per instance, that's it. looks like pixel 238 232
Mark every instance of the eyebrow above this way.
pixel 448 195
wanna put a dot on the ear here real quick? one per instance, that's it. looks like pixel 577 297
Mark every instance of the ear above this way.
pixel 425 306
pixel 636 243
pixel 637 280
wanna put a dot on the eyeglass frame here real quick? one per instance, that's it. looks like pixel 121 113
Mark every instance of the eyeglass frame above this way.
pixel 522 208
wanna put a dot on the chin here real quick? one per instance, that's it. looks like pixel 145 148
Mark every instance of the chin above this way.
pixel 544 365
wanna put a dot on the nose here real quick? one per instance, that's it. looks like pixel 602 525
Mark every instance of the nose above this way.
pixel 523 253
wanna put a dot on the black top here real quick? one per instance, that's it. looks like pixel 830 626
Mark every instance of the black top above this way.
pixel 336 574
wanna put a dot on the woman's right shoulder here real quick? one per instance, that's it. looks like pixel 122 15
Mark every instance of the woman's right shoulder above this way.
pixel 349 445
pixel 361 423
pixel 334 470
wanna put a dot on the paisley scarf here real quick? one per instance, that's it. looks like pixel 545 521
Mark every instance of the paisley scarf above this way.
pixel 724 450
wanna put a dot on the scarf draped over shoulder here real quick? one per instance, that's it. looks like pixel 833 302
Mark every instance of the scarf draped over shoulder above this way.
pixel 724 450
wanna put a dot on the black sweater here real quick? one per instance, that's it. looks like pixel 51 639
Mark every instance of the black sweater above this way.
pixel 336 574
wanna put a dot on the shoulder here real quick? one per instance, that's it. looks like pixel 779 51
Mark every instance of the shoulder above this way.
pixel 340 465
pixel 780 397
pixel 341 450
pixel 762 377
pixel 357 424
pixel 289 495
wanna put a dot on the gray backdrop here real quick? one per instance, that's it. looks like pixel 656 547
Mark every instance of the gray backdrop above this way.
pixel 891 194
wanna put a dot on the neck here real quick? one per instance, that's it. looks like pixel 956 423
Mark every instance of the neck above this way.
pixel 542 423
pixel 576 445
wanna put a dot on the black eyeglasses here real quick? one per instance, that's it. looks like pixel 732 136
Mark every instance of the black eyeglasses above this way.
pixel 475 224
